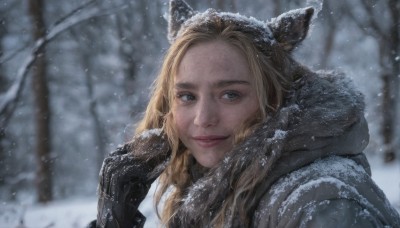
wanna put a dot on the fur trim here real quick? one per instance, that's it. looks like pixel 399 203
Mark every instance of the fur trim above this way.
pixel 289 29
pixel 320 107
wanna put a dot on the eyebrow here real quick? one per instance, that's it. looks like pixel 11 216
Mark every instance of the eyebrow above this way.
pixel 224 83
pixel 218 84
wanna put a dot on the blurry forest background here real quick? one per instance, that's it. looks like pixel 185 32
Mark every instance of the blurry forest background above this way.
pixel 75 77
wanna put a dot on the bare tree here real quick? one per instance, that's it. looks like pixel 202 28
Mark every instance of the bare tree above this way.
pixel 11 96
pixel 3 84
pixel 99 133
pixel 127 50
pixel 3 80
pixel 42 109
pixel 391 82
pixel 387 35
pixel 83 13
pixel 98 129
pixel 331 29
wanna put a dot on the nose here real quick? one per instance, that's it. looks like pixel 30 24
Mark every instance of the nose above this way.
pixel 207 114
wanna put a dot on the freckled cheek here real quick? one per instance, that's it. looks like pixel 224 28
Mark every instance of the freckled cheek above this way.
pixel 235 118
pixel 181 122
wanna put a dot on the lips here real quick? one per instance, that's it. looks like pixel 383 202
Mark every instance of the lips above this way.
pixel 209 141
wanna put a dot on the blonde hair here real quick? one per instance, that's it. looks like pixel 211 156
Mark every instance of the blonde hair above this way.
pixel 270 87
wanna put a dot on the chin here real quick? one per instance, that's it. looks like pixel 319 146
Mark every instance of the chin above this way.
pixel 209 163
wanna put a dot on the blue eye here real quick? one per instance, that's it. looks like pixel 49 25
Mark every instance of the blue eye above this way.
pixel 231 95
pixel 186 97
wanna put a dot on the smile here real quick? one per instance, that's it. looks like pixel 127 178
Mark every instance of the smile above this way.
pixel 209 141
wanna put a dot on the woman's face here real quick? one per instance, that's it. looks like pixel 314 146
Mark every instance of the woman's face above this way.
pixel 214 95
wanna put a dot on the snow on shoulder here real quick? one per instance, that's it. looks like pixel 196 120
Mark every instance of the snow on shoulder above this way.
pixel 149 133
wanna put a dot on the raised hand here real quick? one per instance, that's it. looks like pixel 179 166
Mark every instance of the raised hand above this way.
pixel 126 176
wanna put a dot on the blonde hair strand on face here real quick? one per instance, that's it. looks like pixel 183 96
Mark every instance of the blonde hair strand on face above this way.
pixel 270 86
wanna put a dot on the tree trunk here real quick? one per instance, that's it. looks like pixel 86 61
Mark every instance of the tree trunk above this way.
pixel 330 26
pixel 391 85
pixel 98 128
pixel 3 88
pixel 42 110
pixel 388 118
pixel 220 4
pixel 277 8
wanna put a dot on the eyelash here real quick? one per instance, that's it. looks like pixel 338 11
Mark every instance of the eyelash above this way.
pixel 236 95
pixel 187 98
pixel 182 96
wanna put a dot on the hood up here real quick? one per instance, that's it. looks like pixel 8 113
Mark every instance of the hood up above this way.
pixel 322 115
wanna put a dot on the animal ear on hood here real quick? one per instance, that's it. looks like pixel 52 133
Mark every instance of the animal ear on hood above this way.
pixel 179 12
pixel 290 28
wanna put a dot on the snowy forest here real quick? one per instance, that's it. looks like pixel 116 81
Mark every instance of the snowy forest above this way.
pixel 75 77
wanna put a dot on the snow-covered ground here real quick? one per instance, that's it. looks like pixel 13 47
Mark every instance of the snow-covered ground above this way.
pixel 79 212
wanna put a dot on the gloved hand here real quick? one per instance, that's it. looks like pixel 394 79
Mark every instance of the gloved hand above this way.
pixel 126 177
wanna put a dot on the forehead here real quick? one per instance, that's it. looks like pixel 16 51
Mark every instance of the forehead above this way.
pixel 213 60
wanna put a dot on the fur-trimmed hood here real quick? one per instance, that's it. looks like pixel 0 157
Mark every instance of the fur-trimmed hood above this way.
pixel 323 115
pixel 288 30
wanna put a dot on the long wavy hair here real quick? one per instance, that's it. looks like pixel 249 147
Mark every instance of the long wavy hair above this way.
pixel 270 86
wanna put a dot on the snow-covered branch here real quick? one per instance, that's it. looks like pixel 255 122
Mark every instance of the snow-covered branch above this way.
pixel 9 99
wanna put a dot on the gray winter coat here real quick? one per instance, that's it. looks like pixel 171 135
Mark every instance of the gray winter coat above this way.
pixel 310 154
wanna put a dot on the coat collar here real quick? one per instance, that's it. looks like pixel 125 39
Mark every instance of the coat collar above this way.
pixel 323 115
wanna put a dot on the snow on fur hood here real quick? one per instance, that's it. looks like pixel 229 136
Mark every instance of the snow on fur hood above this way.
pixel 322 116
pixel 308 153
pixel 288 29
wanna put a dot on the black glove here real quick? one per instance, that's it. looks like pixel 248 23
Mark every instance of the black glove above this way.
pixel 126 177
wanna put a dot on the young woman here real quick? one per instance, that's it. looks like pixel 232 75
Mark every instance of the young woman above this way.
pixel 241 135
